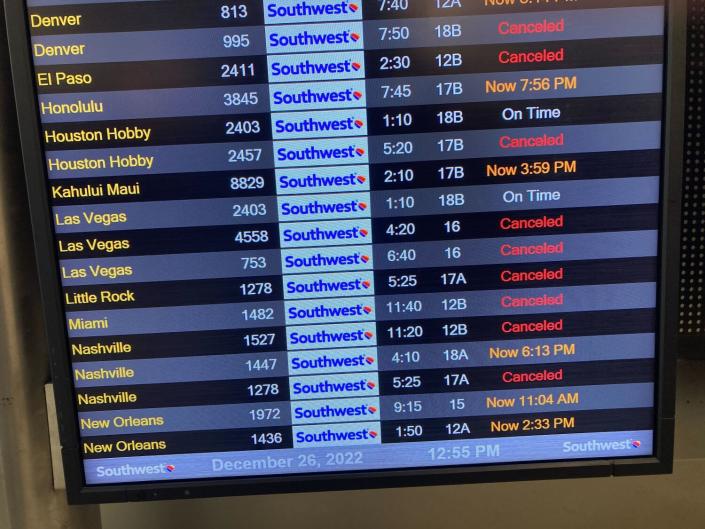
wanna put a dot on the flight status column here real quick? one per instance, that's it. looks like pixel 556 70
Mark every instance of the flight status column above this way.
pixel 330 235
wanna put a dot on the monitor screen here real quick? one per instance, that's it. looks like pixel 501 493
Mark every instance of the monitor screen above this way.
pixel 344 243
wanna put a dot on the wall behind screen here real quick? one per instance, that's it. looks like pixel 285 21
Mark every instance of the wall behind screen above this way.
pixel 4 511
pixel 692 319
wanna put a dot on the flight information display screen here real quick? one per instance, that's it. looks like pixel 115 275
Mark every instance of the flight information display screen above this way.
pixel 298 237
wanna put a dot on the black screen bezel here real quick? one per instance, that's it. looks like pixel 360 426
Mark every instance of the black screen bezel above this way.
pixel 79 493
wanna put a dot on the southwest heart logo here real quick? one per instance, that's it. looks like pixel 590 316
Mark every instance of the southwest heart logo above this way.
pixel 636 444
pixel 356 66
pixel 363 205
pixel 364 232
pixel 370 360
pixel 357 95
pixel 361 179
pixel 365 258
pixel 367 309
pixel 359 123
pixel 372 409
pixel 360 152
pixel 369 335
pixel 354 7
pixel 170 468
pixel 371 384
pixel 366 284
pixel 355 37
pixel 373 434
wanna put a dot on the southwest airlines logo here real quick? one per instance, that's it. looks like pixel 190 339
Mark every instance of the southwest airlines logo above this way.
pixel 324 337
pixel 325 361
pixel 318 96
pixel 292 125
pixel 329 435
pixel 329 360
pixel 130 471
pixel 335 178
pixel 337 434
pixel 307 287
pixel 311 67
pixel 284 11
pixel 298 127
pixel 306 38
pixel 317 260
pixel 303 236
pixel 345 309
pixel 314 180
pixel 601 446
pixel 326 207
pixel 333 387
pixel 318 207
pixel 331 412
pixel 313 153
pixel 316 67
pixel 332 336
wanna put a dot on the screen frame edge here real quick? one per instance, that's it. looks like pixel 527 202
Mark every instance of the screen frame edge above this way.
pixel 78 493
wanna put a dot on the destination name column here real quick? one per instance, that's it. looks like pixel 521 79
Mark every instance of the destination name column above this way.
pixel 172 294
